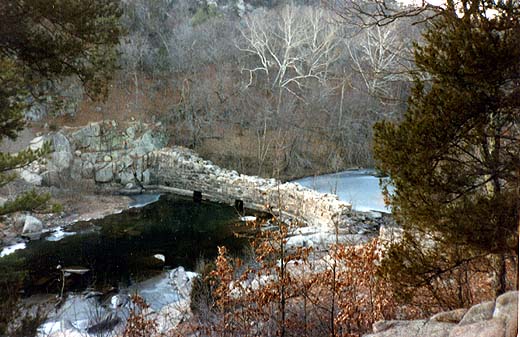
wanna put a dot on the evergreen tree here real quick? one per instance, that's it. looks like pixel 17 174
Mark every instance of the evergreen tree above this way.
pixel 454 159
pixel 44 40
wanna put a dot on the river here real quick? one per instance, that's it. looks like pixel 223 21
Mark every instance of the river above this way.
pixel 135 251
pixel 358 187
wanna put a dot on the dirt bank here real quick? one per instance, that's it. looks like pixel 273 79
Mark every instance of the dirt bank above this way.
pixel 76 206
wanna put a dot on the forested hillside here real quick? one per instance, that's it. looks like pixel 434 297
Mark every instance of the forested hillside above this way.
pixel 264 87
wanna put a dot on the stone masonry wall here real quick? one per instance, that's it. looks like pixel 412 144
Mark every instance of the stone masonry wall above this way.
pixel 183 169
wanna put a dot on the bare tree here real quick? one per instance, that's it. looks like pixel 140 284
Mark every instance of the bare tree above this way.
pixel 375 56
pixel 289 49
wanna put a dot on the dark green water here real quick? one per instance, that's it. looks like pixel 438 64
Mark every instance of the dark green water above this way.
pixel 118 250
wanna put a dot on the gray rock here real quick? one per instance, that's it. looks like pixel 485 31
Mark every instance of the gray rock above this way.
pixel 60 143
pixel 87 170
pixel 126 177
pixel 453 316
pixel 146 177
pixel 505 304
pixel 37 143
pixel 506 308
pixel 32 226
pixel 415 328
pixel 396 328
pixel 60 161
pixel 89 156
pixel 76 169
pixel 104 173
pixel 31 178
pixel 126 161
pixel 479 312
pixel 487 328
pixel 148 143
pixel 130 132
pixel 87 136
pixel 36 111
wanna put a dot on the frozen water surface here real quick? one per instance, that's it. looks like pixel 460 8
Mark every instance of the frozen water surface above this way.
pixel 357 187
pixel 11 249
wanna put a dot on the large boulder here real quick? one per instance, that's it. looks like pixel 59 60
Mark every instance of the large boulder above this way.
pixel 103 172
pixel 87 170
pixel 60 143
pixel 488 319
pixel 506 308
pixel 32 227
pixel 148 143
pixel 479 312
pixel 487 328
pixel 421 328
pixel 126 177
pixel 60 161
pixel 85 137
pixel 453 316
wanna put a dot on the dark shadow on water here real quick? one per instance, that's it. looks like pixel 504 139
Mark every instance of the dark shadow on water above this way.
pixel 120 249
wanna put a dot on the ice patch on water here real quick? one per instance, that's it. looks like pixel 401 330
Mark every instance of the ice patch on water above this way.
pixel 58 234
pixel 141 200
pixel 359 188
pixel 11 249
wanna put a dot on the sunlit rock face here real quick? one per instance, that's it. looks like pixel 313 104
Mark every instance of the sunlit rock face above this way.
pixel 488 319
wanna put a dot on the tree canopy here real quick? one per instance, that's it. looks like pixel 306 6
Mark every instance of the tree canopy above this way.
pixel 45 40
pixel 454 158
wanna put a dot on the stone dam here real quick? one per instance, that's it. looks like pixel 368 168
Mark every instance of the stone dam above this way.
pixel 133 156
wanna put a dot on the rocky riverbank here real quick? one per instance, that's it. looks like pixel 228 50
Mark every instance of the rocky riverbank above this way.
pixel 16 228
pixel 110 158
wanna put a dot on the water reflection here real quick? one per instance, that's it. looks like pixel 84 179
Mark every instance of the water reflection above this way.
pixel 121 249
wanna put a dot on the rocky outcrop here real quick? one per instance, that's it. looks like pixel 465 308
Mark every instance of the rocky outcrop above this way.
pixel 489 319
pixel 59 97
pixel 104 152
